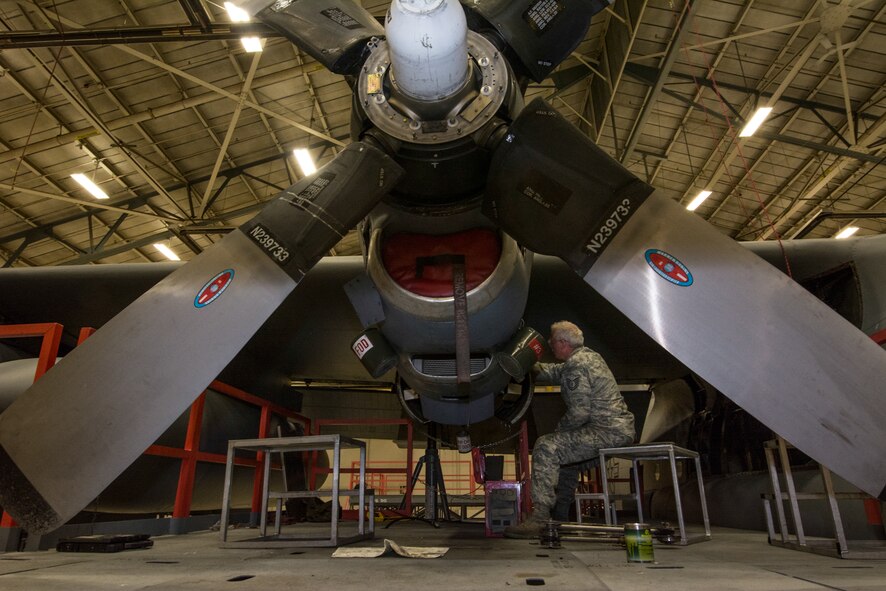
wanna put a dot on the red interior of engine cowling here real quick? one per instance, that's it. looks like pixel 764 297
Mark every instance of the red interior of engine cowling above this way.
pixel 481 248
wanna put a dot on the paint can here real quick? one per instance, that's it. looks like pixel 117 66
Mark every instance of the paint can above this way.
pixel 638 542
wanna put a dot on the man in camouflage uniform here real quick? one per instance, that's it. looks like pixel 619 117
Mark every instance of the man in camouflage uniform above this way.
pixel 596 417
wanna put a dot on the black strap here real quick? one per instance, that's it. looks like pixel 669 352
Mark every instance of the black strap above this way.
pixel 460 297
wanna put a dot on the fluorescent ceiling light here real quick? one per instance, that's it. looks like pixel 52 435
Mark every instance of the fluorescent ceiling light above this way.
pixel 238 15
pixel 699 199
pixel 847 232
pixel 305 162
pixel 756 121
pixel 251 44
pixel 89 186
pixel 167 252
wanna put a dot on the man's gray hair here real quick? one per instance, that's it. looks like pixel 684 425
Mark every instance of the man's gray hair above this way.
pixel 568 332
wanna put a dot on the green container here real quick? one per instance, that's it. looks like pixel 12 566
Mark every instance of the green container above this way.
pixel 638 542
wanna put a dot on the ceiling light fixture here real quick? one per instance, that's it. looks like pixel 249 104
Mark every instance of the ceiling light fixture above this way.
pixel 238 15
pixel 89 186
pixel 167 252
pixel 846 232
pixel 756 121
pixel 251 44
pixel 305 162
pixel 699 199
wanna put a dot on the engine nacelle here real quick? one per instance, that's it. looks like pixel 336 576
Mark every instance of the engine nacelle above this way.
pixel 417 299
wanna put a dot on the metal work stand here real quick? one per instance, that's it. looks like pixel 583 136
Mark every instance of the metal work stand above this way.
pixel 434 484
pixel 656 451
pixel 836 546
pixel 300 444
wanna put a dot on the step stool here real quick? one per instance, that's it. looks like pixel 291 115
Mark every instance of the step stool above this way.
pixel 655 451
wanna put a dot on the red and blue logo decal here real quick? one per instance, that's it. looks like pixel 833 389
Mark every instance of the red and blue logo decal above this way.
pixel 213 288
pixel 668 267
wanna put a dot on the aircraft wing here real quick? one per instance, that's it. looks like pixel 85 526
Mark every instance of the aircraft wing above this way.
pixel 310 334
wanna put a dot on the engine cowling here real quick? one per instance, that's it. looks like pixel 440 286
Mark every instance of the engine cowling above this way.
pixel 418 299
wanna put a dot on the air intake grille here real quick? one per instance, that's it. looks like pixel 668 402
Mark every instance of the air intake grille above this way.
pixel 445 366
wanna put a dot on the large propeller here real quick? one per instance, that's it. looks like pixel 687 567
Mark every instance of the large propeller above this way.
pixel 744 327
pixel 77 428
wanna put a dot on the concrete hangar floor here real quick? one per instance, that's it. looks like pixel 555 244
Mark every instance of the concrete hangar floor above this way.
pixel 731 560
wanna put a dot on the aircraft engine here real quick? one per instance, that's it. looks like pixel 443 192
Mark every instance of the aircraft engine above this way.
pixel 411 270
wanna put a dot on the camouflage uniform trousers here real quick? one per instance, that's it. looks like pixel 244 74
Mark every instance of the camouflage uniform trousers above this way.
pixel 557 459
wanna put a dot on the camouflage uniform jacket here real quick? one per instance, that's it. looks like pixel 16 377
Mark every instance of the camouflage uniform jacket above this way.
pixel 590 392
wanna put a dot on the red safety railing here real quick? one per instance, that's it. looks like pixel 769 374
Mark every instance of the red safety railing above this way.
pixel 51 333
pixel 458 475
pixel 190 454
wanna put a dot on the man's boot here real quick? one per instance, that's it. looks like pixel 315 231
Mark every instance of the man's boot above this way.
pixel 563 508
pixel 530 528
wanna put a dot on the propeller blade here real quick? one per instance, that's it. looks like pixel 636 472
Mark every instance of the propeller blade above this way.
pixel 86 420
pixel 333 32
pixel 749 330
pixel 542 33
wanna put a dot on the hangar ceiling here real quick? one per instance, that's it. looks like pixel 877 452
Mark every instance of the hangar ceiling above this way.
pixel 158 103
